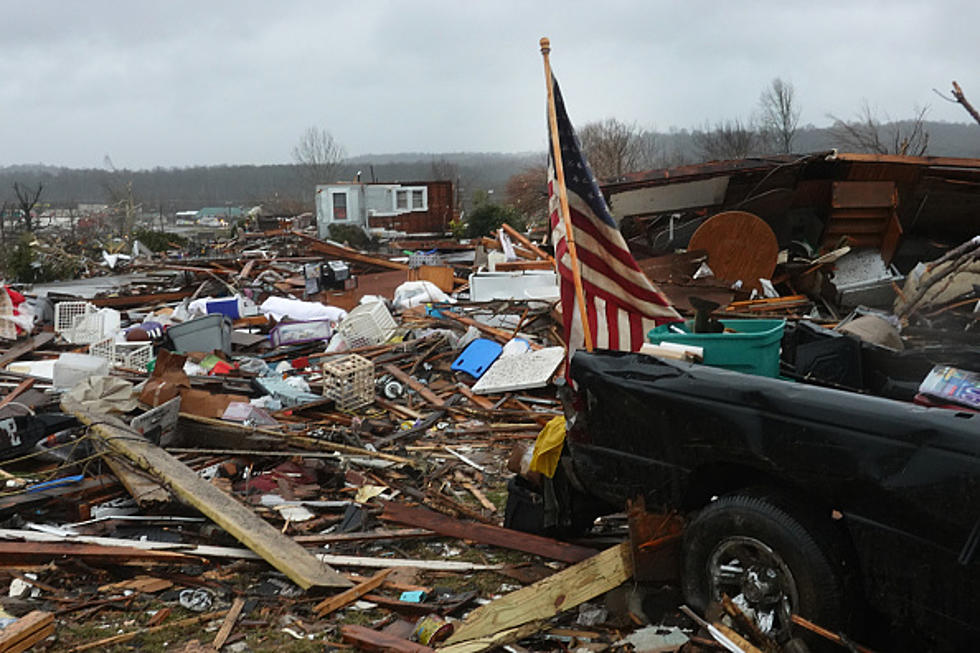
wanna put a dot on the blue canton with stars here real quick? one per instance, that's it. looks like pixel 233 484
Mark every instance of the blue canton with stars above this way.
pixel 578 175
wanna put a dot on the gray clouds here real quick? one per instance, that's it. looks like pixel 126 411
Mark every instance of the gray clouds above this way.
pixel 182 83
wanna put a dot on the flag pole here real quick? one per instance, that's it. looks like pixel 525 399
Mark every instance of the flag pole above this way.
pixel 563 196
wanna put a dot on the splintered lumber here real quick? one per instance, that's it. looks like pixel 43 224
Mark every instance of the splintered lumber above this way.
pixel 411 382
pixel 523 240
pixel 480 402
pixel 485 533
pixel 130 301
pixel 374 640
pixel 542 600
pixel 426 565
pixel 823 632
pixel 21 388
pixel 348 254
pixel 268 437
pixel 329 604
pixel 144 490
pixel 248 528
pixel 16 554
pixel 497 639
pixel 26 632
pixel 236 609
pixel 25 347
pixel 125 637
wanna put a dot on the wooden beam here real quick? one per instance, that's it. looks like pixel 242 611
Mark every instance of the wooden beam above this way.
pixel 477 400
pixel 149 299
pixel 27 631
pixel 248 528
pixel 331 603
pixel 411 382
pixel 542 600
pixel 348 254
pixel 522 239
pixel 17 553
pixel 485 533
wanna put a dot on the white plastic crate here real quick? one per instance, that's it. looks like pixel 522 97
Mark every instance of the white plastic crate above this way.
pixel 105 348
pixel 134 355
pixel 65 314
pixel 349 381
pixel 367 325
pixel 131 355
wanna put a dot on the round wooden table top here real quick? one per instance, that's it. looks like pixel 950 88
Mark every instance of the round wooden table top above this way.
pixel 740 245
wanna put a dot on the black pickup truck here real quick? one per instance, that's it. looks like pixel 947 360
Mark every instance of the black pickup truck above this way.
pixel 799 499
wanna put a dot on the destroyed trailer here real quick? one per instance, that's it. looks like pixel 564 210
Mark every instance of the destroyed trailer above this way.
pixel 833 505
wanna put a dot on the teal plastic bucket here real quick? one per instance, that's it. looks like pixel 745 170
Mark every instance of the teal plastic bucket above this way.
pixel 753 348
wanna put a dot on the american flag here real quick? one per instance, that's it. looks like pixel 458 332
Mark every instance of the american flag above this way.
pixel 622 305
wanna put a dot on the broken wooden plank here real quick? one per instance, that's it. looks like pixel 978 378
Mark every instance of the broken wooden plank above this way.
pixel 477 400
pixel 248 528
pixel 25 347
pixel 16 554
pixel 413 383
pixel 380 534
pixel 497 639
pixel 562 591
pixel 348 254
pixel 229 623
pixel 125 637
pixel 27 631
pixel 524 240
pixel 331 603
pixel 149 299
pixel 426 565
pixel 485 533
pixel 268 437
pixel 21 388
pixel 373 640
pixel 144 490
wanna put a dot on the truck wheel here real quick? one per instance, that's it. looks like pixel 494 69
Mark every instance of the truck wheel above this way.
pixel 766 560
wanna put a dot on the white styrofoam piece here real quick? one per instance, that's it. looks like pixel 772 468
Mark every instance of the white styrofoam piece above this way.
pixel 530 370
pixel 43 369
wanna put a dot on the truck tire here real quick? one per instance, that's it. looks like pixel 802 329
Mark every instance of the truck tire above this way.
pixel 761 554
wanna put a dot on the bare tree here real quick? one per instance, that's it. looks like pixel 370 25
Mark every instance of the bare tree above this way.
pixel 869 134
pixel 779 114
pixel 27 198
pixel 527 191
pixel 318 155
pixel 731 139
pixel 961 98
pixel 613 148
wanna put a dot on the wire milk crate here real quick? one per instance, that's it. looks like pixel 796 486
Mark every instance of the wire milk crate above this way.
pixel 349 381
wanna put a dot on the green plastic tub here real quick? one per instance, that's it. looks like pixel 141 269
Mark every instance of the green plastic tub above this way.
pixel 753 348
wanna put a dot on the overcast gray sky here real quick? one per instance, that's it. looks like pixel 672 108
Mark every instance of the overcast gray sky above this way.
pixel 181 83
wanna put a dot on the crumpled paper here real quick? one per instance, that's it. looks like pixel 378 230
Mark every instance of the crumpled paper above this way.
pixel 104 394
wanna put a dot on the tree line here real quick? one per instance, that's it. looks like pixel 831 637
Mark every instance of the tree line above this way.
pixel 614 148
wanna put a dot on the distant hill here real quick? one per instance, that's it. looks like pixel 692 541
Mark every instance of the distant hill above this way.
pixel 173 189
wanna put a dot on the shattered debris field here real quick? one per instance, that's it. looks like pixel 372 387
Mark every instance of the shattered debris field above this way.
pixel 288 443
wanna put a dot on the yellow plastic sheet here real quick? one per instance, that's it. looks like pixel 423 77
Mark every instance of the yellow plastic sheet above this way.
pixel 547 447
